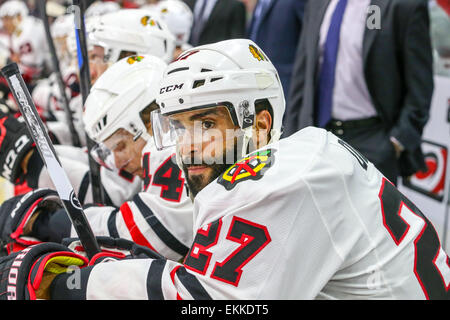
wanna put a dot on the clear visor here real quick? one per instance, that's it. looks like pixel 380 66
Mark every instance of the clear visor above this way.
pixel 164 133
pixel 116 152
pixel 205 135
pixel 103 156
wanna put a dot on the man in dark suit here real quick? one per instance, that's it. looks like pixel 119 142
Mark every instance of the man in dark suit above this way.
pixel 364 71
pixel 216 20
pixel 275 27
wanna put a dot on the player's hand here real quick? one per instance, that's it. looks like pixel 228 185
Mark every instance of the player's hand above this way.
pixel 18 214
pixel 15 144
pixel 113 249
pixel 27 275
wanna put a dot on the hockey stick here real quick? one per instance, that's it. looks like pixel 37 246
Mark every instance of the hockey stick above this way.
pixel 45 147
pixel 59 79
pixel 85 85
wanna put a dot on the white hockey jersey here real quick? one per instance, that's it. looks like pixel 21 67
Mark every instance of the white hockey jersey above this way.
pixel 30 44
pixel 158 217
pixel 306 218
pixel 60 129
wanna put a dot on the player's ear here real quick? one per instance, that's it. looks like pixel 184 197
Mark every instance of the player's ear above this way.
pixel 263 126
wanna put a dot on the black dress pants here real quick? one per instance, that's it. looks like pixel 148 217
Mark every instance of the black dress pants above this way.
pixel 373 141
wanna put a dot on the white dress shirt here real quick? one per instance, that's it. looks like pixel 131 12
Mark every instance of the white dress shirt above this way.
pixel 351 98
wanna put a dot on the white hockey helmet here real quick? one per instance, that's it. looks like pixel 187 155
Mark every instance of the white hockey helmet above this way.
pixel 233 73
pixel 13 8
pixel 116 101
pixel 98 8
pixel 63 25
pixel 137 30
pixel 120 94
pixel 178 17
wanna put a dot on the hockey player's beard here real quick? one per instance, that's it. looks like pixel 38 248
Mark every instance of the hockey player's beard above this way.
pixel 197 182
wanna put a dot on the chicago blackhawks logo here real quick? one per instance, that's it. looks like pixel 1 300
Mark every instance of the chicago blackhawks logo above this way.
pixel 251 167
pixel 257 54
pixel 147 20
pixel 134 59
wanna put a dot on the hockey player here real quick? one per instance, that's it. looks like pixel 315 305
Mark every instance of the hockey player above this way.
pixel 117 116
pixel 305 218
pixel 27 44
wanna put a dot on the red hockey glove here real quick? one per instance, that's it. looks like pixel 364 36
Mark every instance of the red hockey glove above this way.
pixel 27 274
pixel 15 143
pixel 16 213
pixel 113 249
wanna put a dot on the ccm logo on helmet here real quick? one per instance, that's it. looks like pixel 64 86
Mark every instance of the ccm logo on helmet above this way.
pixel 171 88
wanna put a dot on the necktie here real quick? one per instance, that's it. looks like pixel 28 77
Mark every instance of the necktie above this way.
pixel 198 25
pixel 328 70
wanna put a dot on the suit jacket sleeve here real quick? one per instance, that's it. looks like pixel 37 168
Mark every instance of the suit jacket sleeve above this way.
pixel 299 7
pixel 418 76
pixel 238 21
pixel 295 100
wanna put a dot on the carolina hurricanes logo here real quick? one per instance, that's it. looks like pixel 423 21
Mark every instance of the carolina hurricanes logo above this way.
pixel 134 59
pixel 431 182
pixel 257 54
pixel 251 167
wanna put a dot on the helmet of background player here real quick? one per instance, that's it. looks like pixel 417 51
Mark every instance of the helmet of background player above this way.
pixel 96 51
pixel 60 29
pixel 13 8
pixel 12 12
pixel 116 102
pixel 98 8
pixel 133 30
pixel 178 17
pixel 233 73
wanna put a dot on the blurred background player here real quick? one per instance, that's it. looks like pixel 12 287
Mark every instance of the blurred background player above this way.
pixel 26 40
pixel 179 19
pixel 111 36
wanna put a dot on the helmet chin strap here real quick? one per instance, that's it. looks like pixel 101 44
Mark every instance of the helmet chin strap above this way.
pixel 246 145
pixel 147 137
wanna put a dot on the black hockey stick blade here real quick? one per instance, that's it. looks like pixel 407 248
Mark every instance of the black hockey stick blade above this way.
pixel 41 4
pixel 85 86
pixel 55 170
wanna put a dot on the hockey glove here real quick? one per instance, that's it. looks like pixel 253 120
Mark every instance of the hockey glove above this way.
pixel 113 249
pixel 16 215
pixel 25 275
pixel 15 143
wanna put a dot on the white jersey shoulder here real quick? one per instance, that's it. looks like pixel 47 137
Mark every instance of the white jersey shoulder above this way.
pixel 30 43
pixel 314 209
